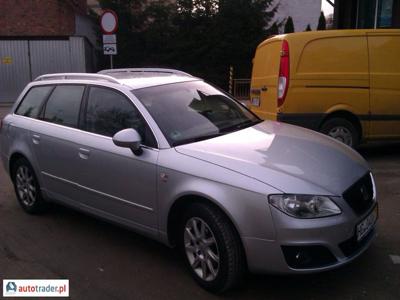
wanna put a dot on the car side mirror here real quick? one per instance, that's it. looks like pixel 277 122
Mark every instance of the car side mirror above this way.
pixel 128 138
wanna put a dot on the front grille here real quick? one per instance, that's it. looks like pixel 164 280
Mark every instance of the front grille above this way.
pixel 360 195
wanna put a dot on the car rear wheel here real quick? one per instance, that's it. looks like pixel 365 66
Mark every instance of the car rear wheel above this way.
pixel 211 248
pixel 26 187
pixel 342 130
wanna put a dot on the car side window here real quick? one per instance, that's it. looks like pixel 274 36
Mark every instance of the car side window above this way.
pixel 33 101
pixel 108 112
pixel 64 105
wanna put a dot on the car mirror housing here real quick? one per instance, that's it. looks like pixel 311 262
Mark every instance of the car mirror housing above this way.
pixel 128 138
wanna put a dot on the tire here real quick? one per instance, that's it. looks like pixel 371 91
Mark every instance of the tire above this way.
pixel 225 255
pixel 342 130
pixel 27 188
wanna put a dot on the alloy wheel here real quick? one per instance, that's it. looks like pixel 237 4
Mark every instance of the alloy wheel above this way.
pixel 201 249
pixel 342 134
pixel 26 187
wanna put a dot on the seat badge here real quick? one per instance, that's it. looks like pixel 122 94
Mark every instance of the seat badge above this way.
pixel 164 177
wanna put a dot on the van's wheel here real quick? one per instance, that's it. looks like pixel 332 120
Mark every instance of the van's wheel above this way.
pixel 26 187
pixel 211 248
pixel 342 130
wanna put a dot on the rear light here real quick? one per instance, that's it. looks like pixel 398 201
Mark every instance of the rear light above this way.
pixel 284 70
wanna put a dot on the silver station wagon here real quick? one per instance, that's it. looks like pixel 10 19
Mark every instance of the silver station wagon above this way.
pixel 180 161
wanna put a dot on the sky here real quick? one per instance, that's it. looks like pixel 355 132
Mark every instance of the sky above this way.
pixel 327 8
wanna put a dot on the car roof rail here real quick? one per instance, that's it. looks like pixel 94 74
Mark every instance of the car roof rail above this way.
pixel 145 70
pixel 77 76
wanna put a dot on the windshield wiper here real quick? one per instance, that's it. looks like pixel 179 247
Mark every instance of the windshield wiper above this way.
pixel 197 139
pixel 245 124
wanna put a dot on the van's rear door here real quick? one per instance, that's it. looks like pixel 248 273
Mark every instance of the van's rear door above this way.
pixel 384 63
pixel 264 80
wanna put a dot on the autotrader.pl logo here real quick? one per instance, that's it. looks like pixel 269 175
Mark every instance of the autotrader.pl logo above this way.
pixel 11 287
pixel 35 288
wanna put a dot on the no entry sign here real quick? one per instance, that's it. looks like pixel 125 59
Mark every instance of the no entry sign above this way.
pixel 109 22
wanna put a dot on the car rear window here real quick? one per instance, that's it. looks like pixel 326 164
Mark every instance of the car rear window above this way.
pixel 33 100
pixel 64 105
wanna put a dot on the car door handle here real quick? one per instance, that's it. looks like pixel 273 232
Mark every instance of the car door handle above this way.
pixel 36 139
pixel 84 153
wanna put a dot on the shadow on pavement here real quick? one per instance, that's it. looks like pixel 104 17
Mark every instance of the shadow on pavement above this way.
pixel 380 150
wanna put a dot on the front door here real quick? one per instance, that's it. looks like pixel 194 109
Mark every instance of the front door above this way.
pixel 114 181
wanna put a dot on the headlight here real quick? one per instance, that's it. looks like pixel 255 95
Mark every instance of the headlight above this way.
pixel 305 206
pixel 373 186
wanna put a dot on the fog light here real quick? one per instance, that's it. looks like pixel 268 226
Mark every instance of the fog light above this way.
pixel 308 257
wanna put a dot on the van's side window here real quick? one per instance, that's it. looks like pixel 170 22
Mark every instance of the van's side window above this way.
pixel 33 100
pixel 64 104
pixel 109 112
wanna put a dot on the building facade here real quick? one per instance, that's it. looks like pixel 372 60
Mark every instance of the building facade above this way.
pixel 367 14
pixel 43 36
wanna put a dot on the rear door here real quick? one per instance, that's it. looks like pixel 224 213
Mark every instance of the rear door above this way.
pixel 54 139
pixel 19 128
pixel 384 51
pixel 265 79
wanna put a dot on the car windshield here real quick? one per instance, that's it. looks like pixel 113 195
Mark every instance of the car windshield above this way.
pixel 192 111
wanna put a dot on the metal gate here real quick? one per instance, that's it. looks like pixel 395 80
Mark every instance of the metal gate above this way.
pixel 21 61
pixel 241 89
pixel 14 69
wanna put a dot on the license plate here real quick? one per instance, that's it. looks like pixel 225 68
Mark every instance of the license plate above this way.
pixel 365 226
pixel 255 101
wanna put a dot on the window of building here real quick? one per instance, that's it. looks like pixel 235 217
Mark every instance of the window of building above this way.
pixel 385 12
pixel 374 13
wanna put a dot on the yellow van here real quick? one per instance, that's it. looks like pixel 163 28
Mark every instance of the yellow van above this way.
pixel 344 83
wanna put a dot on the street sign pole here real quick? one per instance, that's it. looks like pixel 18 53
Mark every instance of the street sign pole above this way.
pixel 111 62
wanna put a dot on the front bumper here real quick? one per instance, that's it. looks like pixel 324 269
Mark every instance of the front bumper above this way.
pixel 330 241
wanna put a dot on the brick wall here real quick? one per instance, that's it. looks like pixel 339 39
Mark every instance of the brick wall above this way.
pixel 39 17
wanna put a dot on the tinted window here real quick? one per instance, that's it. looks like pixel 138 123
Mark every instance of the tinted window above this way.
pixel 109 112
pixel 192 111
pixel 64 104
pixel 33 101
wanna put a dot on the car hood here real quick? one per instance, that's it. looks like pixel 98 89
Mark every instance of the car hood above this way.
pixel 286 157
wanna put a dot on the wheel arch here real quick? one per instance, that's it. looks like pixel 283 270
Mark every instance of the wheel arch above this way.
pixel 184 201
pixel 13 158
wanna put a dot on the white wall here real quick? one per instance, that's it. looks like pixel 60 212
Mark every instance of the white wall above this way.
pixel 303 12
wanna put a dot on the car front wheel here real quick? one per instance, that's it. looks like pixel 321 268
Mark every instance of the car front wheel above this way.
pixel 211 248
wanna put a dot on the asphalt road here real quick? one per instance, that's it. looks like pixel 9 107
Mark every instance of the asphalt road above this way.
pixel 103 261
